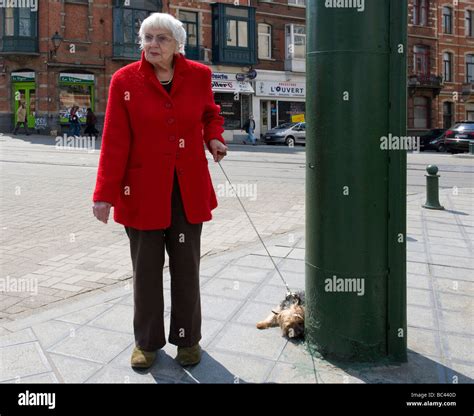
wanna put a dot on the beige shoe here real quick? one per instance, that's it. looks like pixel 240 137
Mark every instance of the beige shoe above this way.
pixel 142 359
pixel 189 355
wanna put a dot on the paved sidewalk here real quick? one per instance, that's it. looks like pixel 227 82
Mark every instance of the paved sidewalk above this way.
pixel 49 237
pixel 90 340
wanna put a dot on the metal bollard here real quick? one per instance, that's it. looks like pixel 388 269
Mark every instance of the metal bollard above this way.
pixel 432 188
pixel 471 147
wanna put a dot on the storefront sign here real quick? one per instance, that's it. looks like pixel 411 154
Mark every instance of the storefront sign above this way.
pixel 297 118
pixel 224 82
pixel 76 78
pixel 23 76
pixel 280 89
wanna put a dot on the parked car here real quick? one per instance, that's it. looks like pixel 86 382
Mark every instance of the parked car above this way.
pixel 433 140
pixel 287 133
pixel 458 137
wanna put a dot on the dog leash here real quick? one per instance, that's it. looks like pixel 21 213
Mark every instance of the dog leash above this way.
pixel 288 291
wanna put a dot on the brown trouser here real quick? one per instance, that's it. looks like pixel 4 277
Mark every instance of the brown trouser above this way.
pixel 182 241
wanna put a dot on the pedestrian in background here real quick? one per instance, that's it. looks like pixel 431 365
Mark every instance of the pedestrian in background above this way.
pixel 91 120
pixel 21 119
pixel 249 128
pixel 74 123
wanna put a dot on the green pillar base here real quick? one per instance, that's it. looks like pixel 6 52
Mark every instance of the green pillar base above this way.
pixel 439 207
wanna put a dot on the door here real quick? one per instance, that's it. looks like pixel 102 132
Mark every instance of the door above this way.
pixel 273 108
pixel 263 117
pixel 26 93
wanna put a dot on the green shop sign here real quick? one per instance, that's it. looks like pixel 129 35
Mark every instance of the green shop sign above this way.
pixel 76 78
pixel 23 76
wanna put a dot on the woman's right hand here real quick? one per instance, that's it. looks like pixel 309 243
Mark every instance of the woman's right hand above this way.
pixel 101 211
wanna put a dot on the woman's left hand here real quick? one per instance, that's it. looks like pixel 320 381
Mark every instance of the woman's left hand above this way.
pixel 218 149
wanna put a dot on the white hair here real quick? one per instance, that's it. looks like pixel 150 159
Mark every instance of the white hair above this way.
pixel 167 22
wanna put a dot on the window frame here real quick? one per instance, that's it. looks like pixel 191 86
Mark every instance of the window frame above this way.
pixel 427 56
pixel 222 52
pixel 268 37
pixel 120 50
pixel 469 23
pixel 16 42
pixel 447 115
pixel 291 55
pixel 448 67
pixel 237 19
pixel 447 20
pixel 420 12
pixel 470 68
pixel 426 107
pixel 297 3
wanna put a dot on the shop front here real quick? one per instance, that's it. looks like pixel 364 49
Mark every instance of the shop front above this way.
pixel 279 102
pixel 24 91
pixel 75 89
pixel 234 98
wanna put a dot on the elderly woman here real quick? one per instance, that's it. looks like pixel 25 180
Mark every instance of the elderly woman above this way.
pixel 154 172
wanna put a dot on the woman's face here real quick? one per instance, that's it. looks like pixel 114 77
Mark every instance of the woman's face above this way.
pixel 159 46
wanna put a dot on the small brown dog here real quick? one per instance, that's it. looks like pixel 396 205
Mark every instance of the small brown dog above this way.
pixel 289 315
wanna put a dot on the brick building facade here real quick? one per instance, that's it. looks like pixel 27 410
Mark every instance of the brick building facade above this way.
pixel 441 63
pixel 65 52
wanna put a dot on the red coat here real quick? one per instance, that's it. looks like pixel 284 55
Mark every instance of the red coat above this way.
pixel 147 134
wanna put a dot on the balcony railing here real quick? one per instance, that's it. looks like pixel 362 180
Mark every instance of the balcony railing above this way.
pixel 425 81
pixel 196 53
pixel 19 44
pixel 127 51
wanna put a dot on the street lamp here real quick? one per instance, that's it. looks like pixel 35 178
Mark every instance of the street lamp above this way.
pixel 56 39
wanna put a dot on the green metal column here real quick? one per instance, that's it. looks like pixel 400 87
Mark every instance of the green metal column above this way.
pixel 355 188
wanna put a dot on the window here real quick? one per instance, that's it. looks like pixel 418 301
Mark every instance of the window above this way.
pixel 235 35
pixel 237 27
pixel 297 2
pixel 469 23
pixel 421 112
pixel 18 29
pixel 447 67
pixel 191 25
pixel 230 110
pixel 421 56
pixel 264 41
pixel 9 22
pixel 447 20
pixel 420 12
pixel 470 68
pixel 190 22
pixel 127 22
pixel 295 42
pixel 447 114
